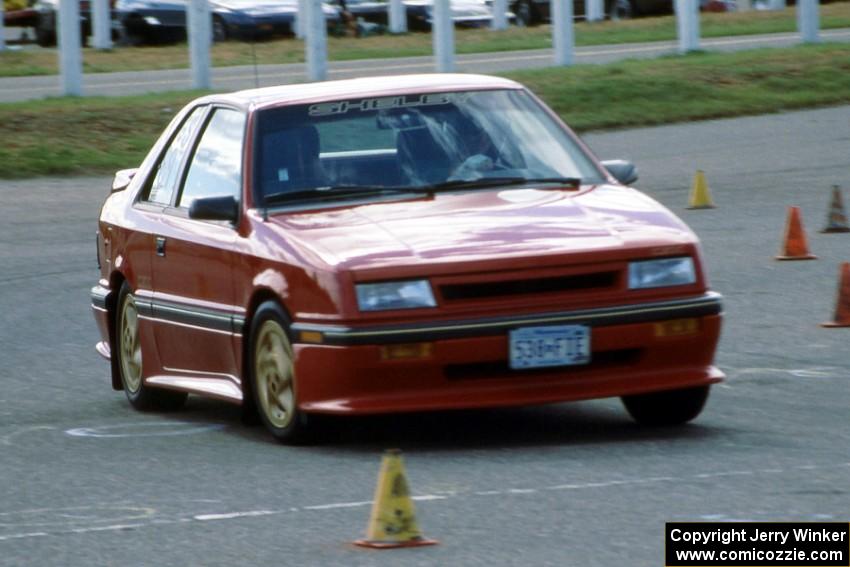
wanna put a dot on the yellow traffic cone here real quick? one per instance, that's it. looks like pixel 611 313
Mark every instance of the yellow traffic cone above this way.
pixel 393 519
pixel 700 195
pixel 836 220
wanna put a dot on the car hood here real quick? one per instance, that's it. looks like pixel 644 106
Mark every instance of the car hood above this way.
pixel 146 6
pixel 261 7
pixel 513 226
pixel 459 8
pixel 252 7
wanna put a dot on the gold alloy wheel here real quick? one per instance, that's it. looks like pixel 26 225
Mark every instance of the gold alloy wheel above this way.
pixel 274 372
pixel 131 348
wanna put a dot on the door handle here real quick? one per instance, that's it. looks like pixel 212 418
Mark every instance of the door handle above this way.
pixel 160 246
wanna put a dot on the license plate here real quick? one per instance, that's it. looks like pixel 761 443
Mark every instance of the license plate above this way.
pixel 540 347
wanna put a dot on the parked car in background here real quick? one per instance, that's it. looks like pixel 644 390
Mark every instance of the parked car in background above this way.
pixel 47 18
pixel 465 13
pixel 158 21
pixel 533 12
pixel 395 244
pixel 19 13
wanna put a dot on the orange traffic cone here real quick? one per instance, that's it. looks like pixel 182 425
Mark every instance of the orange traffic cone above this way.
pixel 836 220
pixel 842 306
pixel 795 246
pixel 393 519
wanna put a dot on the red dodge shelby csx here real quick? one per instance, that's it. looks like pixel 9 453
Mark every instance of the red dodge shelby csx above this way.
pixel 422 242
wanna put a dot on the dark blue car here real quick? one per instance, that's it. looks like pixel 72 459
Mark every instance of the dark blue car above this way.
pixel 465 13
pixel 158 21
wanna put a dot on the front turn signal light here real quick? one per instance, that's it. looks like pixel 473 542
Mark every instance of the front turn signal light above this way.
pixel 677 327
pixel 409 350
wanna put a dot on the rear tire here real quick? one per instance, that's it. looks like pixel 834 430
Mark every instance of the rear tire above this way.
pixel 44 36
pixel 621 10
pixel 129 353
pixel 672 407
pixel 271 369
pixel 219 30
pixel 525 13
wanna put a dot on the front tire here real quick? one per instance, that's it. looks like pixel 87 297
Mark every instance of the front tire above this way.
pixel 672 407
pixel 129 353
pixel 272 375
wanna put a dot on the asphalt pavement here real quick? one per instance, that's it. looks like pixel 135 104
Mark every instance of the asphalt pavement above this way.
pixel 241 77
pixel 85 480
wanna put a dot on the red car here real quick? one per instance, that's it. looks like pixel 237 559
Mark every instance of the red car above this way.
pixel 395 244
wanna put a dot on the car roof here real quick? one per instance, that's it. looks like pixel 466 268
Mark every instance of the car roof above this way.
pixel 364 87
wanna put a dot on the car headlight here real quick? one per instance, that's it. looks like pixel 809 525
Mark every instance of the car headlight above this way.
pixel 394 295
pixel 662 273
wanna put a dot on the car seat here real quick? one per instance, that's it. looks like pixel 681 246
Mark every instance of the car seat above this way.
pixel 421 158
pixel 289 160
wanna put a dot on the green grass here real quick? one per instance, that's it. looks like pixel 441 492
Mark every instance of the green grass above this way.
pixel 694 87
pixel 41 62
pixel 82 136
pixel 100 135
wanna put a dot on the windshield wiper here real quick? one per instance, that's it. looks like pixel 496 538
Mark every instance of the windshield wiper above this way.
pixel 334 192
pixel 486 182
pixel 572 181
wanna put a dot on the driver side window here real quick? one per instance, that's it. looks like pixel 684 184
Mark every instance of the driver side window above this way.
pixel 167 175
pixel 216 166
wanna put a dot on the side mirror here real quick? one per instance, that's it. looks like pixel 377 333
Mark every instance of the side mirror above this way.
pixel 623 171
pixel 123 178
pixel 215 208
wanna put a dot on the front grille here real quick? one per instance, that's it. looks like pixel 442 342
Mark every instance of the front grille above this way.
pixel 501 368
pixel 482 290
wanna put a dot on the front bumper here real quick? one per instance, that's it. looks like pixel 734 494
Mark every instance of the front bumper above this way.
pixel 261 26
pixel 706 304
pixel 466 365
pixel 100 296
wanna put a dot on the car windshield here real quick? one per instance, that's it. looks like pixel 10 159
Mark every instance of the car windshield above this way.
pixel 422 142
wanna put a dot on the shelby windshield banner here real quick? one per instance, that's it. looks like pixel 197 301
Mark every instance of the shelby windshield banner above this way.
pixel 757 544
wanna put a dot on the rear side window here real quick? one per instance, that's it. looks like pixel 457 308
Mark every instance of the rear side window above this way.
pixel 216 166
pixel 168 171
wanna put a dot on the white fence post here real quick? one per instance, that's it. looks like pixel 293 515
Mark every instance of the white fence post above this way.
pixel 317 42
pixel 101 25
pixel 443 36
pixel 595 11
pixel 397 16
pixel 199 21
pixel 301 20
pixel 500 15
pixel 2 27
pixel 808 20
pixel 563 37
pixel 687 25
pixel 70 48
